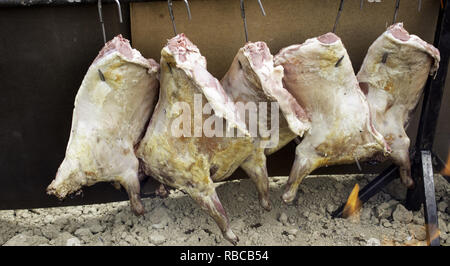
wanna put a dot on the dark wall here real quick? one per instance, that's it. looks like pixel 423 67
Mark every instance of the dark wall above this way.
pixel 45 52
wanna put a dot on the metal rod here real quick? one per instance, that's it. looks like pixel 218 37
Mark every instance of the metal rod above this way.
pixel 172 18
pixel 361 4
pixel 188 9
pixel 101 76
pixel 420 5
pixel 384 58
pixel 434 89
pixel 397 5
pixel 341 7
pixel 25 3
pixel 372 188
pixel 120 10
pixel 262 8
pixel 431 104
pixel 100 15
pixel 244 19
pixel 429 206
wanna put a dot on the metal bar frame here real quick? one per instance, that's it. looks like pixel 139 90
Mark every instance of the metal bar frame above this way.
pixel 27 3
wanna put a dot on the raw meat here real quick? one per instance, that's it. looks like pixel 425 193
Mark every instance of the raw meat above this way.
pixel 112 107
pixel 253 80
pixel 177 150
pixel 252 77
pixel 392 76
pixel 319 74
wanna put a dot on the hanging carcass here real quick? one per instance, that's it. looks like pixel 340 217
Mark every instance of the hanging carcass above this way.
pixel 319 74
pixel 392 77
pixel 112 107
pixel 253 81
pixel 196 135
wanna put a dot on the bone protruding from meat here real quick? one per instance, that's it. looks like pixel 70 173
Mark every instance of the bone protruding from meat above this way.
pixel 393 75
pixel 319 74
pixel 112 106
pixel 193 163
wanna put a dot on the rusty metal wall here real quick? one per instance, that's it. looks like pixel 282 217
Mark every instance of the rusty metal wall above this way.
pixel 45 52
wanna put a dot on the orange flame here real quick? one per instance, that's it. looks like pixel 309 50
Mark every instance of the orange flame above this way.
pixel 446 170
pixel 353 204
pixel 434 235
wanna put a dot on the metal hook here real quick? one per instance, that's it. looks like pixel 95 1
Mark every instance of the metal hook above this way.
pixel 99 7
pixel 100 15
pixel 120 10
pixel 341 7
pixel 244 18
pixel 172 17
pixel 262 8
pixel 188 9
pixel 397 5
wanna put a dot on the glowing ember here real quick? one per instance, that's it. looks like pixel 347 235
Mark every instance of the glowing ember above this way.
pixel 353 204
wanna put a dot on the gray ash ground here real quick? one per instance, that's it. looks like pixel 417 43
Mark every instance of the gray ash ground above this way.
pixel 177 220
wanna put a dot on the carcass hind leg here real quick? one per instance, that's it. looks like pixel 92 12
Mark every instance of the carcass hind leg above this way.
pixel 131 184
pixel 400 156
pixel 256 169
pixel 304 164
pixel 210 203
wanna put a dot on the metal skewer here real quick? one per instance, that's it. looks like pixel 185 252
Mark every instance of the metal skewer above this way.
pixel 188 9
pixel 172 17
pixel 100 16
pixel 120 10
pixel 397 5
pixel 244 18
pixel 99 7
pixel 262 8
pixel 341 7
